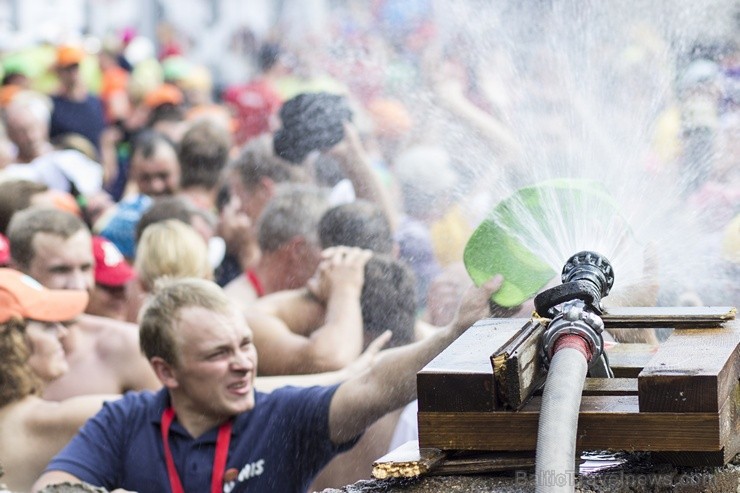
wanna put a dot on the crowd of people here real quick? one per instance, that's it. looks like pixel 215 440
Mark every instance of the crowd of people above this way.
pixel 158 233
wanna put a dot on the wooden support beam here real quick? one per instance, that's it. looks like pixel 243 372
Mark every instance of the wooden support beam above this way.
pixel 729 428
pixel 605 423
pixel 518 368
pixel 667 317
pixel 460 378
pixel 693 371
pixel 407 461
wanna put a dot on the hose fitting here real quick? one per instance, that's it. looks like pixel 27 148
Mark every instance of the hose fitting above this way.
pixel 574 320
pixel 587 276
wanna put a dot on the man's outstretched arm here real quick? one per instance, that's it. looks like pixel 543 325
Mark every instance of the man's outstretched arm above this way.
pixel 391 382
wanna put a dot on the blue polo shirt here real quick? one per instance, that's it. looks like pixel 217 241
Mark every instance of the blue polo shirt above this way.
pixel 279 446
pixel 86 118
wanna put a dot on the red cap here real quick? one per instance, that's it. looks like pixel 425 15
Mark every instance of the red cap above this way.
pixel 111 269
pixel 4 250
pixel 23 297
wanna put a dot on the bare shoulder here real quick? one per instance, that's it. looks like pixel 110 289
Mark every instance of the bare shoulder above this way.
pixel 291 298
pixel 111 336
pixel 300 310
pixel 15 415
pixel 44 416
pixel 241 291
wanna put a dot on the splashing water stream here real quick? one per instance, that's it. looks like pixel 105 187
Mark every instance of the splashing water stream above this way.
pixel 586 88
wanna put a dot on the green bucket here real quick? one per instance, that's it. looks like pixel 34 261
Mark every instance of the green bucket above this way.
pixel 496 246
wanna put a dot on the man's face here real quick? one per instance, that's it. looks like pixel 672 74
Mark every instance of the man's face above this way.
pixel 47 358
pixel 218 363
pixel 69 76
pixel 28 132
pixel 252 199
pixel 158 175
pixel 63 264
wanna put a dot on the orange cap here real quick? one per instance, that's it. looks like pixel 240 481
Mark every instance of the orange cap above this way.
pixel 23 297
pixel 164 94
pixel 215 112
pixel 65 201
pixel 390 116
pixel 68 55
pixel 7 93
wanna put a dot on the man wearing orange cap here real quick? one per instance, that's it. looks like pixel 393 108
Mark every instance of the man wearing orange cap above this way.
pixel 32 327
pixel 55 247
pixel 76 110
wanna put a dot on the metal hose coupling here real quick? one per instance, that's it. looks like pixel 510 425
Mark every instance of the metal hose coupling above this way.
pixel 574 307
pixel 575 320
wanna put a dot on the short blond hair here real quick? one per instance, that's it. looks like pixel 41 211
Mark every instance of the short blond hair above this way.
pixel 171 249
pixel 161 314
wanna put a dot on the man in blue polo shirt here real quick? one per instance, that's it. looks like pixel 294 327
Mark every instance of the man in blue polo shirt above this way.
pixel 208 430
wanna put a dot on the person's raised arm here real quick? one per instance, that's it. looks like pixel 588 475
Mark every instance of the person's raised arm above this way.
pixel 391 381
pixel 356 166
pixel 334 344
pixel 270 383
pixel 54 424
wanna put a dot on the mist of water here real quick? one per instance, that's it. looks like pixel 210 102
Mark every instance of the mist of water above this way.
pixel 583 87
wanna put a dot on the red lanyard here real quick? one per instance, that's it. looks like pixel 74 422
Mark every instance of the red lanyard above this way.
pixel 256 283
pixel 219 459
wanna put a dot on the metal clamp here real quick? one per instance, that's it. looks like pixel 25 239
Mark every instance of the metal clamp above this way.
pixel 575 319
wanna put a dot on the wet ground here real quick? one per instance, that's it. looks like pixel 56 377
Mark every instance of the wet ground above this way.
pixel 637 475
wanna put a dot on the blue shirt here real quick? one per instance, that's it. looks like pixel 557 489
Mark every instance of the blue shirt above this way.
pixel 279 446
pixel 119 223
pixel 86 118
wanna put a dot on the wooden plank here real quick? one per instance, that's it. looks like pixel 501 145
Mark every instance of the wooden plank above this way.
pixel 518 369
pixel 607 386
pixel 729 430
pixel 677 317
pixel 460 378
pixel 610 386
pixel 628 360
pixel 605 423
pixel 407 461
pixel 483 462
pixel 730 424
pixel 694 370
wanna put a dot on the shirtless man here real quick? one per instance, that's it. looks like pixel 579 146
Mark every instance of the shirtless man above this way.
pixel 55 248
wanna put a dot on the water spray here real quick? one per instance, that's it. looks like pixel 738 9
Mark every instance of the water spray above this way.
pixel 572 345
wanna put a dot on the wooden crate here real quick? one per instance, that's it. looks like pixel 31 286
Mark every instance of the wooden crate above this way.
pixel 679 399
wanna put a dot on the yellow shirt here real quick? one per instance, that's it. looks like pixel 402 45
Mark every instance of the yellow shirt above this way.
pixel 449 235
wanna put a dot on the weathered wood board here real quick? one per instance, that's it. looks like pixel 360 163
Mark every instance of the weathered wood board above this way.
pixel 460 378
pixel 694 370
